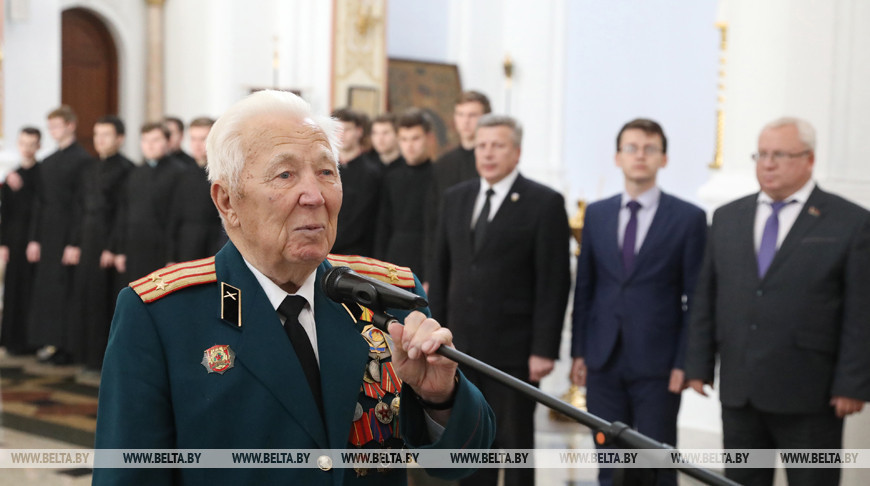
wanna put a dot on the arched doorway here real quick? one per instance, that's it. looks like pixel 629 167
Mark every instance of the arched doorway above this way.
pixel 89 59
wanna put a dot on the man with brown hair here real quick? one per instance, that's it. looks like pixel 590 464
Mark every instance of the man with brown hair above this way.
pixel 400 223
pixel 361 178
pixel 50 237
pixel 385 140
pixel 17 196
pixel 176 135
pixel 196 226
pixel 95 283
pixel 143 242
pixel 456 165
pixel 636 275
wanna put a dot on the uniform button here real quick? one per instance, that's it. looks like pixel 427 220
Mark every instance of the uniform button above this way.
pixel 324 463
pixel 759 292
pixel 753 327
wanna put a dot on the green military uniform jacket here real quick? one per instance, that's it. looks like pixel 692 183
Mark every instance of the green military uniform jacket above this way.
pixel 157 394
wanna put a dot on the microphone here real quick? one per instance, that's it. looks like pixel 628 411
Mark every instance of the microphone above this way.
pixel 343 285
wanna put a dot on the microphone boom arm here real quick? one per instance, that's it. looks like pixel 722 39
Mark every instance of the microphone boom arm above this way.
pixel 605 432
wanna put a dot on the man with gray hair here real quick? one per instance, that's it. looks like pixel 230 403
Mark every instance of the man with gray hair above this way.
pixel 244 350
pixel 782 300
pixel 502 269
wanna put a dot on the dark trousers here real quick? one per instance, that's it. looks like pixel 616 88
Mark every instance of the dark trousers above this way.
pixel 515 427
pixel 645 404
pixel 749 428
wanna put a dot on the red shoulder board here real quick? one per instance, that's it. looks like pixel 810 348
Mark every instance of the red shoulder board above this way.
pixel 163 282
pixel 383 271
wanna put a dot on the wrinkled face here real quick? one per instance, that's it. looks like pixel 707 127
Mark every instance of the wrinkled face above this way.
pixel 384 138
pixel 28 145
pixel 59 129
pixel 350 136
pixel 154 144
pixel 786 163
pixel 495 153
pixel 412 144
pixel 106 141
pixel 465 116
pixel 197 142
pixel 285 219
pixel 640 156
pixel 175 136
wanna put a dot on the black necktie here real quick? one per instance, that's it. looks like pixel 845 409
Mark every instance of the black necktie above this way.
pixel 290 309
pixel 482 222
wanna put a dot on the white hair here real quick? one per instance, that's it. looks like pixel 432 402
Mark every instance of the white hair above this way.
pixel 806 132
pixel 225 146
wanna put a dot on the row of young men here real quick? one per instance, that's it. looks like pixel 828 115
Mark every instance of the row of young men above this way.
pixel 76 229
pixel 392 193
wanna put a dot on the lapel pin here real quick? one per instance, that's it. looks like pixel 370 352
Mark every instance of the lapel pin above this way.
pixel 515 196
pixel 814 211
pixel 218 358
pixel 231 304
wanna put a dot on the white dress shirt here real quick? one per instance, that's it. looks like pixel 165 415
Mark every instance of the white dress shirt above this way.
pixel 787 215
pixel 276 296
pixel 649 203
pixel 500 190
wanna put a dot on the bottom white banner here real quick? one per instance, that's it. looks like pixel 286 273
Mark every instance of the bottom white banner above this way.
pixel 433 458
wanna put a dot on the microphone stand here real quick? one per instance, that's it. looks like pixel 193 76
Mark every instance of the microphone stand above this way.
pixel 606 433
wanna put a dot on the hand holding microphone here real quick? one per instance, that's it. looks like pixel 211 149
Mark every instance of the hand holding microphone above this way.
pixel 418 343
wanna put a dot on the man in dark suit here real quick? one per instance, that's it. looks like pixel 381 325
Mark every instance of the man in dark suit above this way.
pixel 455 166
pixel 639 262
pixel 782 300
pixel 502 278
pixel 244 350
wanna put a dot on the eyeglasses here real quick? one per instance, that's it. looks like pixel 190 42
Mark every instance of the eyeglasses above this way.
pixel 778 156
pixel 632 149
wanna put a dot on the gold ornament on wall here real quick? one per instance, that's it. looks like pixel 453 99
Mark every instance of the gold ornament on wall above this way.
pixel 720 97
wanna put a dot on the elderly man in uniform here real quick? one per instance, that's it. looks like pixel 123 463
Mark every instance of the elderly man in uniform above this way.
pixel 198 357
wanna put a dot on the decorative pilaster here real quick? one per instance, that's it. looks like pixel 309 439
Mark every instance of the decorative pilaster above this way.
pixel 154 87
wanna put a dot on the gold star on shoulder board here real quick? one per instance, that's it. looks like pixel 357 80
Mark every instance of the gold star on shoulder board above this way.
pixel 161 285
pixel 393 273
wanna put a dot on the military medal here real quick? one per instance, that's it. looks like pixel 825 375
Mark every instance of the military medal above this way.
pixel 218 358
pixel 394 406
pixel 358 412
pixel 384 413
pixel 374 370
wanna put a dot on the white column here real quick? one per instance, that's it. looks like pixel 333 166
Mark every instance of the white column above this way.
pixel 154 70
pixel 780 62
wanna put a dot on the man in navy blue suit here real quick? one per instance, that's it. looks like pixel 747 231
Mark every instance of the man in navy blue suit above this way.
pixel 639 261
